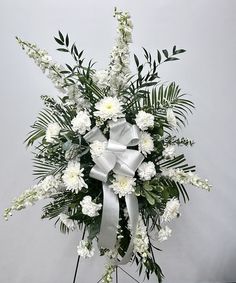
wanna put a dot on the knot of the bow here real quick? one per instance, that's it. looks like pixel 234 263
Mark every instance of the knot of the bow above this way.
pixel 116 156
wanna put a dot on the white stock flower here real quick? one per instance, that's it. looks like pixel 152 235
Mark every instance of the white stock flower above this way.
pixel 85 249
pixel 97 148
pixel 69 223
pixel 109 108
pixel 171 210
pixel 144 120
pixel 146 171
pixel 171 119
pixel 164 234
pixel 52 132
pixel 123 185
pixel 146 145
pixel 169 152
pixel 73 177
pixel 141 241
pixel 51 184
pixel 81 123
pixel 186 178
pixel 89 207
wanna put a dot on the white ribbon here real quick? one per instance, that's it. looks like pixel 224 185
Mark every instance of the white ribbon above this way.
pixel 122 161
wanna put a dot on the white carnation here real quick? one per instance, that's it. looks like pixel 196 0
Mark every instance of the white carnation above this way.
pixel 81 123
pixel 89 207
pixel 69 223
pixel 171 119
pixel 73 177
pixel 109 108
pixel 97 148
pixel 52 132
pixel 146 145
pixel 101 78
pixel 171 210
pixel 144 120
pixel 146 171
pixel 169 152
pixel 123 185
pixel 85 249
pixel 164 234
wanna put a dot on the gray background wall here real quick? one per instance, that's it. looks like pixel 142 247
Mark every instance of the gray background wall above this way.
pixel 202 248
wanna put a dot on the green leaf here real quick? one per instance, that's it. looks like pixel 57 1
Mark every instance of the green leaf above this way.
pixel 59 41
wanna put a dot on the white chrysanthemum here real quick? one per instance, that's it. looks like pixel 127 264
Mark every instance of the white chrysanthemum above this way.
pixel 101 78
pixel 164 234
pixel 171 119
pixel 89 207
pixel 171 210
pixel 146 171
pixel 109 108
pixel 81 123
pixel 85 249
pixel 97 148
pixel 123 185
pixel 73 177
pixel 144 120
pixel 141 242
pixel 146 145
pixel 52 132
pixel 169 152
pixel 69 223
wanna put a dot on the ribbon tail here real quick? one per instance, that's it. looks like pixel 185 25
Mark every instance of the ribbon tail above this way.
pixel 110 219
pixel 133 211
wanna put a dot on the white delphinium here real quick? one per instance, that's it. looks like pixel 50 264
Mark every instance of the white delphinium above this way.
pixel 44 61
pixel 107 277
pixel 109 108
pixel 146 171
pixel 89 207
pixel 171 119
pixel 171 210
pixel 85 249
pixel 144 120
pixel 141 241
pixel 69 223
pixel 186 178
pixel 119 70
pixel 52 132
pixel 169 152
pixel 97 148
pixel 44 189
pixel 146 145
pixel 73 177
pixel 164 234
pixel 101 78
pixel 81 123
pixel 123 185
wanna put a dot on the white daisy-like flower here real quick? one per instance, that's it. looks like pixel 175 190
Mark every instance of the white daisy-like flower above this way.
pixel 164 234
pixel 69 223
pixel 85 249
pixel 81 123
pixel 144 120
pixel 73 177
pixel 171 210
pixel 97 148
pixel 109 108
pixel 89 207
pixel 169 152
pixel 52 132
pixel 146 171
pixel 171 119
pixel 123 185
pixel 146 145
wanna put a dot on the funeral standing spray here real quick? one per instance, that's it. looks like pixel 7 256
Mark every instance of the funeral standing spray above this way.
pixel 105 151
